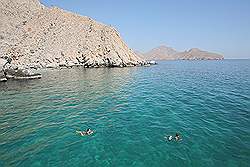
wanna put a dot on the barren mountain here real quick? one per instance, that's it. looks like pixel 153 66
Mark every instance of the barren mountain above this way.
pixel 161 53
pixel 197 54
pixel 168 53
pixel 36 36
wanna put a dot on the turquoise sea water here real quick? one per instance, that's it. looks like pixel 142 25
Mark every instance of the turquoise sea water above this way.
pixel 131 110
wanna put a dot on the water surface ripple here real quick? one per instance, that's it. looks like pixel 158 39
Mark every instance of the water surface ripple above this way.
pixel 131 110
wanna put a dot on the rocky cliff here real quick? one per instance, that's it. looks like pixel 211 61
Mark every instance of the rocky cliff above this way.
pixel 36 36
pixel 168 53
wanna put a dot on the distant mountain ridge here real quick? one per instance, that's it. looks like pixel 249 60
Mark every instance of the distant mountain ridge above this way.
pixel 168 53
pixel 161 53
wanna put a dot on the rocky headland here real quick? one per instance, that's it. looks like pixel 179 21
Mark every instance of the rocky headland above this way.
pixel 34 36
pixel 168 53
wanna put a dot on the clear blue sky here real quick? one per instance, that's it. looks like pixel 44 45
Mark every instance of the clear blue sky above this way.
pixel 221 26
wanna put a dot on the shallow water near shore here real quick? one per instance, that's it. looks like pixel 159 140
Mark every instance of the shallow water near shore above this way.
pixel 131 110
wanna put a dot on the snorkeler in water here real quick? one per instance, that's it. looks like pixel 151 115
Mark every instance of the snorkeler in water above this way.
pixel 177 137
pixel 84 133
pixel 170 138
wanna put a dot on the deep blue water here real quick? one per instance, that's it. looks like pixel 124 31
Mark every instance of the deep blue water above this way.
pixel 131 110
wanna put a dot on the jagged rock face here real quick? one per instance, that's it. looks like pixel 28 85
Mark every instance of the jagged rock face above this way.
pixel 167 53
pixel 161 53
pixel 37 36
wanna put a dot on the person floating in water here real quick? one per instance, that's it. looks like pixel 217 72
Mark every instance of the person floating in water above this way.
pixel 177 137
pixel 84 133
pixel 170 138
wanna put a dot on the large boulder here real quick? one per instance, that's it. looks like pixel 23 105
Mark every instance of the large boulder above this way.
pixel 52 65
pixel 2 77
pixel 21 74
pixel 3 62
pixel 26 74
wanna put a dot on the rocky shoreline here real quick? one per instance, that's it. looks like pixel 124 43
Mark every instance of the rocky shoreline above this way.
pixel 34 36
pixel 10 71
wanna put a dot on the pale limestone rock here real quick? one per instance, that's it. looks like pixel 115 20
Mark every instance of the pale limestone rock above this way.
pixel 70 64
pixel 52 65
pixel 32 33
pixel 3 63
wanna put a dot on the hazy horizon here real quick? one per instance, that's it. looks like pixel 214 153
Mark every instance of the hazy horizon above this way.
pixel 216 26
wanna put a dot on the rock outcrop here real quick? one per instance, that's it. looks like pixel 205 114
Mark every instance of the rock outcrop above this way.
pixel 167 53
pixel 36 36
pixel 10 71
pixel 3 62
